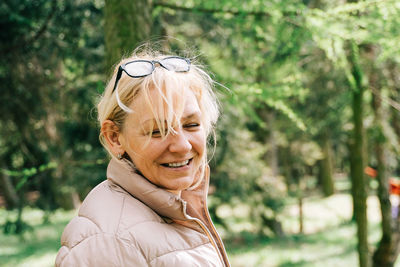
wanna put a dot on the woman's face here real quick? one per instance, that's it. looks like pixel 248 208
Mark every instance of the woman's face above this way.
pixel 172 162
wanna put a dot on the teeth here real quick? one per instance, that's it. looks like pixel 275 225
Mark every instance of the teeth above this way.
pixel 178 164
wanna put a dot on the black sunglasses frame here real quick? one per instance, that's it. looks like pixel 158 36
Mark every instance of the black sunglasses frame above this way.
pixel 153 62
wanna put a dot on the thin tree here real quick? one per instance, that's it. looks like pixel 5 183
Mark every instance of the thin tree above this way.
pixel 359 192
pixel 387 251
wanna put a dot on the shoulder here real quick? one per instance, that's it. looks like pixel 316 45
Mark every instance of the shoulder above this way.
pixel 105 216
pixel 109 209
pixel 112 209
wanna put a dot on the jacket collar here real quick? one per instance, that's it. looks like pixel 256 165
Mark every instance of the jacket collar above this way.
pixel 166 204
pixel 192 203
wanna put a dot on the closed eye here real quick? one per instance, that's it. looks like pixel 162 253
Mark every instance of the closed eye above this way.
pixel 156 133
pixel 191 125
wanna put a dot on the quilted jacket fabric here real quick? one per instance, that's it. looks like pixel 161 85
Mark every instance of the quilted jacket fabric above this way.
pixel 128 221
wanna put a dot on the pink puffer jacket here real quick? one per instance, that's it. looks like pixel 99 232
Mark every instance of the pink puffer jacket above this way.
pixel 128 221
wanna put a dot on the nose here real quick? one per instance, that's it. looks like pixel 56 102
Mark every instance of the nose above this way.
pixel 179 142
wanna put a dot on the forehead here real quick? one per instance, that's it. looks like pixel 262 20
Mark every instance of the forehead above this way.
pixel 170 107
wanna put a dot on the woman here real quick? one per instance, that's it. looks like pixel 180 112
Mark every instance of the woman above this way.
pixel 155 116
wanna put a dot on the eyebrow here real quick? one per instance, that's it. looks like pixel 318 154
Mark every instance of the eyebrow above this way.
pixel 194 114
pixel 188 117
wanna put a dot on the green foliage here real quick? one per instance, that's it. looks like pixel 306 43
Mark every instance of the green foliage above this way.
pixel 285 63
pixel 49 82
pixel 25 174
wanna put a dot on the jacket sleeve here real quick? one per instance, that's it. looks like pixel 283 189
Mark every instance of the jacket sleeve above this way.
pixel 101 250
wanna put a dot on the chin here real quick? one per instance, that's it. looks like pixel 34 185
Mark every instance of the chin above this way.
pixel 181 184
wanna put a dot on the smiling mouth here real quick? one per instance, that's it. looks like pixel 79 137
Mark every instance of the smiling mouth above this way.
pixel 177 164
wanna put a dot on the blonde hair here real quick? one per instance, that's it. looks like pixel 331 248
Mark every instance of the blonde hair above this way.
pixel 170 87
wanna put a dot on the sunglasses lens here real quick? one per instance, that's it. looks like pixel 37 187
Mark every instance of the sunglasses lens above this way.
pixel 175 64
pixel 139 68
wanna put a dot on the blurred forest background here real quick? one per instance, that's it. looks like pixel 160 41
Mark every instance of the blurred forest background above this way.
pixel 306 169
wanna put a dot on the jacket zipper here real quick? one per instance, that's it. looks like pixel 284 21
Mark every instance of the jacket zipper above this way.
pixel 221 245
pixel 205 210
pixel 207 232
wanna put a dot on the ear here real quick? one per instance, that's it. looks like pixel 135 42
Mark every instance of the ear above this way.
pixel 112 135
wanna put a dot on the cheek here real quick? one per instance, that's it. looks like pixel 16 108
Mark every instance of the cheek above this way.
pixel 134 146
pixel 151 151
pixel 199 143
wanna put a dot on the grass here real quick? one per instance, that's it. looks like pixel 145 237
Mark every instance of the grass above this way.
pixel 37 247
pixel 334 246
pixel 328 240
pixel 329 237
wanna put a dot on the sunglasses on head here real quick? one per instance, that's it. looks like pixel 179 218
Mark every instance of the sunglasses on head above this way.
pixel 141 68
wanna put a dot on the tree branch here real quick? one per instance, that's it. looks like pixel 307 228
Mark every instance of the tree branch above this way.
pixel 394 104
pixel 214 11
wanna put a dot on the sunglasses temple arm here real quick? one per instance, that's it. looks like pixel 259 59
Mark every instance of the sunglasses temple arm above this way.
pixel 119 74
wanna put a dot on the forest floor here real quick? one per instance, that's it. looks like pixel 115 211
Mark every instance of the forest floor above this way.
pixel 328 238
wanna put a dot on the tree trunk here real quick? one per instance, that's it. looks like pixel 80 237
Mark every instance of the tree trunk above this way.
pixel 396 122
pixel 272 153
pixel 10 194
pixel 326 169
pixel 386 254
pixel 127 24
pixel 383 256
pixel 301 215
pixel 356 154
pixel 286 169
pixel 395 95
